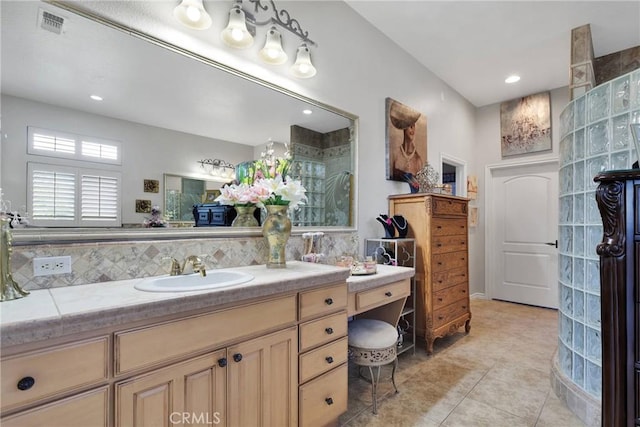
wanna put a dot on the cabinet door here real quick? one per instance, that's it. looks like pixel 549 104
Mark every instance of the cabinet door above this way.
pixel 262 381
pixel 189 393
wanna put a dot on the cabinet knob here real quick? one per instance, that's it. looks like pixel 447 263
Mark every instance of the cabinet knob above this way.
pixel 440 299
pixel 440 317
pixel 464 291
pixel 439 281
pixel 328 301
pixel 439 262
pixel 439 245
pixel 464 306
pixel 388 293
pixel 439 227
pixel 329 401
pixel 26 383
pixel 329 330
pixel 329 359
pixel 237 357
pixel 222 362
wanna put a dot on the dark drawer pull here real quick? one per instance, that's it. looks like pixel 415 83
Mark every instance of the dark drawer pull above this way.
pixel 464 306
pixel 26 383
pixel 440 317
pixel 464 291
pixel 328 301
pixel 329 359
pixel 439 227
pixel 222 362
pixel 439 281
pixel 329 401
pixel 329 330
pixel 439 245
pixel 388 294
pixel 440 299
pixel 439 262
pixel 237 357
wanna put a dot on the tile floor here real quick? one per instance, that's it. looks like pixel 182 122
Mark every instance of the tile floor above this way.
pixel 498 375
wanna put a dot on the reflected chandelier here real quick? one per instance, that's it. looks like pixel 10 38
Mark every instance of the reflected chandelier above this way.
pixel 241 30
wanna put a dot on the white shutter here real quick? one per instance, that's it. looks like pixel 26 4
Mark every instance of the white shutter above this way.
pixel 108 152
pixel 63 196
pixel 53 143
pixel 53 195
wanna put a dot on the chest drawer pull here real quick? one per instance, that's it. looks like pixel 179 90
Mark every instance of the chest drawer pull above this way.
pixel 329 359
pixel 389 294
pixel 329 330
pixel 328 301
pixel 26 383
pixel 222 362
pixel 329 401
pixel 237 357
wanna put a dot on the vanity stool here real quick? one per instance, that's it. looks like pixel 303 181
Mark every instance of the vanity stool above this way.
pixel 373 343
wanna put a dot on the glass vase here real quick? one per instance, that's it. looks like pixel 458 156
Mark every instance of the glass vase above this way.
pixel 244 217
pixel 276 229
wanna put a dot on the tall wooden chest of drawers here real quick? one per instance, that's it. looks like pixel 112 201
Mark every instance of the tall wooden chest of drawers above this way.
pixel 439 225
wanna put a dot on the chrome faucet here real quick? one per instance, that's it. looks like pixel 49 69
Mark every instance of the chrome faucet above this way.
pixel 195 261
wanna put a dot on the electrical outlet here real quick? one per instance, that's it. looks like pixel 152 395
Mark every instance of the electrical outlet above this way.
pixel 51 265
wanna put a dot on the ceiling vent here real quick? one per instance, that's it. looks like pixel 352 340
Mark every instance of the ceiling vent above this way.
pixel 50 22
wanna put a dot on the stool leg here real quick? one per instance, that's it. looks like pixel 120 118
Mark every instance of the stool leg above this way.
pixel 374 388
pixel 393 373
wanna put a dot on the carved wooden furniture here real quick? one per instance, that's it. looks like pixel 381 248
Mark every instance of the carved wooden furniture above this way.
pixel 618 198
pixel 439 225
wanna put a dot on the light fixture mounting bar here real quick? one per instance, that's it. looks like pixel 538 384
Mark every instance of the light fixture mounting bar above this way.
pixel 216 162
pixel 282 18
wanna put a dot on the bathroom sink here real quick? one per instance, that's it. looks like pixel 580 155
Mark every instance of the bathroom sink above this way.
pixel 194 282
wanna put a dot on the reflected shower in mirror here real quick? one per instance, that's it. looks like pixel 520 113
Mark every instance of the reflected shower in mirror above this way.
pixel 164 122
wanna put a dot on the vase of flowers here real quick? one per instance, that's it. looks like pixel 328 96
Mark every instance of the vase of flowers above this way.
pixel 244 216
pixel 244 199
pixel 268 186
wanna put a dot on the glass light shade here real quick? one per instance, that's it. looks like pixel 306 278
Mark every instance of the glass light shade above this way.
pixel 303 68
pixel 192 14
pixel 236 34
pixel 272 52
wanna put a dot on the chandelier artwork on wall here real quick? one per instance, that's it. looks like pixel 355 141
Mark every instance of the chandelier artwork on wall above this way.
pixel 241 31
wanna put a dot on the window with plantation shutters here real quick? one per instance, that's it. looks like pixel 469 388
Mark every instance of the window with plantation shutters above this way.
pixel 53 143
pixel 65 196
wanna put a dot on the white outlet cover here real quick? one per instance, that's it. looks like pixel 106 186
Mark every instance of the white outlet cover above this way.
pixel 46 266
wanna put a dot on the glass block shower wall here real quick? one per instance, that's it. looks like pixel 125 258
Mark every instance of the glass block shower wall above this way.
pixel 595 137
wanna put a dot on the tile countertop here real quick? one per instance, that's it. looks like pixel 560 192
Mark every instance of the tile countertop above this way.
pixel 56 312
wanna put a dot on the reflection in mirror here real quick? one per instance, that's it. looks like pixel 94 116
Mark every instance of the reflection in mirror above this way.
pixel 164 122
pixel 181 193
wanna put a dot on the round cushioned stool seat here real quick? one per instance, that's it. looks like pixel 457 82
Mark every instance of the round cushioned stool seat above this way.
pixel 373 343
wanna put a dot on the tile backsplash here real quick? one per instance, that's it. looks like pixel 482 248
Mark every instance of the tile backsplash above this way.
pixel 107 261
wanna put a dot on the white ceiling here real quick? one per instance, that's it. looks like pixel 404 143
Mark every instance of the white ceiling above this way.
pixel 474 45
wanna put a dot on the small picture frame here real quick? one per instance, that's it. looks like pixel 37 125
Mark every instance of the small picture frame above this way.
pixel 210 196
pixel 143 206
pixel 151 186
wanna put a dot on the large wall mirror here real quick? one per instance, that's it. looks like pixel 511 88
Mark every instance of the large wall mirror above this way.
pixel 167 109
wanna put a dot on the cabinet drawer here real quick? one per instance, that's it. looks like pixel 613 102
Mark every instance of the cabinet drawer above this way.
pixel 448 227
pixel 149 346
pixel 442 262
pixel 86 409
pixel 445 279
pixel 446 244
pixel 323 330
pixel 324 399
pixel 322 301
pixel 451 312
pixel 450 295
pixel 382 295
pixel 54 370
pixel 445 206
pixel 320 360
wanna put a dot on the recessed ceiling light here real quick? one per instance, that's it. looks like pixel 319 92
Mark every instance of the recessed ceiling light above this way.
pixel 96 97
pixel 307 111
pixel 512 79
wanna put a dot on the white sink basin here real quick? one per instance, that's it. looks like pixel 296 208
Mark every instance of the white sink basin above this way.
pixel 193 282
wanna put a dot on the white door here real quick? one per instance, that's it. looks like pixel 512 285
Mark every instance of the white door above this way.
pixel 525 227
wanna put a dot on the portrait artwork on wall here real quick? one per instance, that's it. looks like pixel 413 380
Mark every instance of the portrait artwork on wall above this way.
pixel 525 125
pixel 406 133
pixel 143 206
pixel 472 187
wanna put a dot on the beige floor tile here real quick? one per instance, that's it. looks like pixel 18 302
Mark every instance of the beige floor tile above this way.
pixel 497 375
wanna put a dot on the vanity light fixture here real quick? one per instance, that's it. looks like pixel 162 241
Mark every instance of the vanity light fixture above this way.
pixel 236 34
pixel 303 68
pixel 192 14
pixel 272 52
pixel 218 169
pixel 512 79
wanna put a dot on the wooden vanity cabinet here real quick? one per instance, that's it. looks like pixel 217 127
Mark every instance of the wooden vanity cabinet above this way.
pixel 438 223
